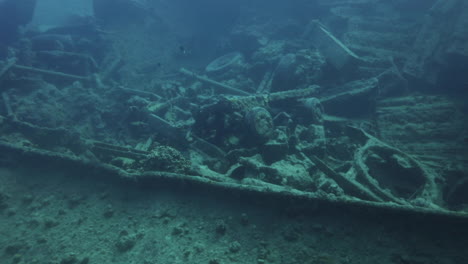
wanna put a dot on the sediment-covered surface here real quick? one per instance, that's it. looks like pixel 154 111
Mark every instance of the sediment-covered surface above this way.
pixel 60 216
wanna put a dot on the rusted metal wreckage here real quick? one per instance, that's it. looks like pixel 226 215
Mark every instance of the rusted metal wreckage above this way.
pixel 366 189
pixel 378 177
pixel 366 173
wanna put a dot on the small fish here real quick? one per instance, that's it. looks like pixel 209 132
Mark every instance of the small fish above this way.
pixel 184 50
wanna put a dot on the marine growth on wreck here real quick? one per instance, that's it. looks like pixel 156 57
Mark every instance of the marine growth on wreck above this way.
pixel 308 109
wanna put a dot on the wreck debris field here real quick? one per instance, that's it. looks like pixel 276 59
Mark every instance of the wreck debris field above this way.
pixel 234 132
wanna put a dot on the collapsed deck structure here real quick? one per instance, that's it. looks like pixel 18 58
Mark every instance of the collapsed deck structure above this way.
pixel 325 120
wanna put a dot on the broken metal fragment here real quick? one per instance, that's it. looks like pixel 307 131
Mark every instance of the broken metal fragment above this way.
pixel 247 102
pixel 11 65
pixel 349 186
pixel 226 88
pixel 335 51
pixel 225 62
pixel 52 73
pixel 105 149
